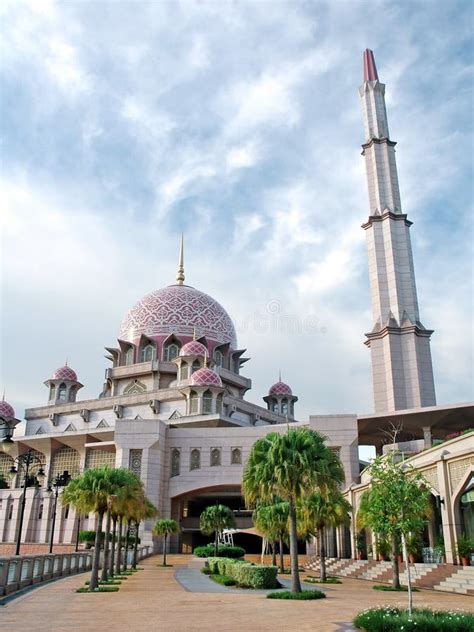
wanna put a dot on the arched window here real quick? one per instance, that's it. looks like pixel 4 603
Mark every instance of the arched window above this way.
pixel 10 511
pixel 183 371
pixel 236 456
pixel 171 351
pixel 207 402
pixel 40 511
pixel 284 407
pixel 62 392
pixel 195 463
pixel 52 392
pixel 275 406
pixel 129 356
pixel 218 357
pixel 66 512
pixel 147 354
pixel 219 403
pixel 72 394
pixel 194 402
pixel 196 366
pixel 215 456
pixel 175 462
pixel 292 408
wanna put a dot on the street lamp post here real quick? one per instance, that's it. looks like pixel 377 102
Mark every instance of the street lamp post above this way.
pixel 27 463
pixel 61 480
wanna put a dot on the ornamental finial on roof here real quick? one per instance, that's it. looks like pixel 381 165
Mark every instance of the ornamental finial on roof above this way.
pixel 180 275
pixel 370 69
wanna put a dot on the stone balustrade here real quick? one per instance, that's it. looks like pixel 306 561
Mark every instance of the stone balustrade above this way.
pixel 17 572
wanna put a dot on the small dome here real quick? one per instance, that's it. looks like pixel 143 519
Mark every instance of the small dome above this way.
pixel 193 348
pixel 6 410
pixel 65 373
pixel 280 388
pixel 205 377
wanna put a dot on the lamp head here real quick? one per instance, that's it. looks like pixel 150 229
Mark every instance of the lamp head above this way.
pixel 7 444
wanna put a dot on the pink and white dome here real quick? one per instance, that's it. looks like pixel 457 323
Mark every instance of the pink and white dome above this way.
pixel 179 310
pixel 193 348
pixel 6 410
pixel 280 388
pixel 205 377
pixel 65 373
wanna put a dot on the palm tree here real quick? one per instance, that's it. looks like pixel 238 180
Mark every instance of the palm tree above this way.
pixel 90 492
pixel 272 522
pixel 215 519
pixel 165 527
pixel 123 506
pixel 323 509
pixel 143 510
pixel 290 465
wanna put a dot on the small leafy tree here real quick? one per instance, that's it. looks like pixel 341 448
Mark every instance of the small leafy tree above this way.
pixel 272 522
pixel 165 527
pixel 397 505
pixel 215 519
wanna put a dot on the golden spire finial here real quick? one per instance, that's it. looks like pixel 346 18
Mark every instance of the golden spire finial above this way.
pixel 180 275
pixel 279 375
pixel 3 398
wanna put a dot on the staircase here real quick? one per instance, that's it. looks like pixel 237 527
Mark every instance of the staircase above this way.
pixel 445 577
pixel 462 581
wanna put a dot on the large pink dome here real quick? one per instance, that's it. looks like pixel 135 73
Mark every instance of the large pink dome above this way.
pixel 65 373
pixel 6 410
pixel 179 310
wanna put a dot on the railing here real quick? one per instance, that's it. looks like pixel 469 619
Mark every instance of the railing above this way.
pixel 17 572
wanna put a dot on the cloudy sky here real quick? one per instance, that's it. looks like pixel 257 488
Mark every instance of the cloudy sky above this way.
pixel 125 123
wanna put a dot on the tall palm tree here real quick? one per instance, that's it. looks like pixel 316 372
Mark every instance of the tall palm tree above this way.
pixel 215 519
pixel 165 527
pixel 90 492
pixel 272 522
pixel 123 505
pixel 322 509
pixel 290 465
pixel 143 510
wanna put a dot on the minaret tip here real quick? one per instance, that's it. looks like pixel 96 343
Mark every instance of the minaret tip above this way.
pixel 370 69
pixel 180 274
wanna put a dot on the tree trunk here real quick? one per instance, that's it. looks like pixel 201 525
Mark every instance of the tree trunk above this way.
pixel 274 553
pixel 216 544
pixel 105 565
pixel 118 561
pixel 125 550
pixel 135 545
pixel 410 593
pixel 395 569
pixel 164 549
pixel 322 555
pixel 282 559
pixel 112 548
pixel 295 576
pixel 94 583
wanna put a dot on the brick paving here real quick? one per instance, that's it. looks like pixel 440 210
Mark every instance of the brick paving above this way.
pixel 153 600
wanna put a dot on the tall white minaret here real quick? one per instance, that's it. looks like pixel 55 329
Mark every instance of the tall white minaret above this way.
pixel 402 371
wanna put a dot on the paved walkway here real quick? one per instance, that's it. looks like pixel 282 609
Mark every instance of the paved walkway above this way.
pixel 152 600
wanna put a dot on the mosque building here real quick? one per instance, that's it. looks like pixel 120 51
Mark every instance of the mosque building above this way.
pixel 173 409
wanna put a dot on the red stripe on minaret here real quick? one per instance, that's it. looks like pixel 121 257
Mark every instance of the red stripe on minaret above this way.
pixel 370 69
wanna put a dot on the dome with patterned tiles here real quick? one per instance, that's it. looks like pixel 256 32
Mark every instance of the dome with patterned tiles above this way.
pixel 179 310
pixel 65 373
pixel 205 377
pixel 193 348
pixel 6 410
pixel 280 388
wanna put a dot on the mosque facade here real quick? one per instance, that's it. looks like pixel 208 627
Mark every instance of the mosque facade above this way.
pixel 173 405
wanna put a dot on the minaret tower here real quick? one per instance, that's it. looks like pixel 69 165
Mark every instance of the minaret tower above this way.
pixel 399 344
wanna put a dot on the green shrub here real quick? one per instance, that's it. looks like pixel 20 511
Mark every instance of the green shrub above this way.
pixel 388 588
pixel 206 570
pixel 328 580
pixel 304 595
pixel 388 619
pixel 245 574
pixel 225 580
pixel 84 589
pixel 223 551
pixel 89 537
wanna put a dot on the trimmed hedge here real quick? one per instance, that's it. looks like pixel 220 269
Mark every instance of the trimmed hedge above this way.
pixel 225 580
pixel 304 595
pixel 223 551
pixel 245 574
pixel 389 619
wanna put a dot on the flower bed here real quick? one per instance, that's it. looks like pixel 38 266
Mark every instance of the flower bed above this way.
pixel 389 619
